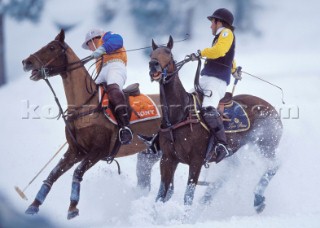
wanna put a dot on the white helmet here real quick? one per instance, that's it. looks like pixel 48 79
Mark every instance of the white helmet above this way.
pixel 90 35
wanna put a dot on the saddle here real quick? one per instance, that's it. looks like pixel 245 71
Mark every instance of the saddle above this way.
pixel 235 118
pixel 226 100
pixel 142 107
pixel 132 90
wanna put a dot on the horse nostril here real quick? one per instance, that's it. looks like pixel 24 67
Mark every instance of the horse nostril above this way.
pixel 27 64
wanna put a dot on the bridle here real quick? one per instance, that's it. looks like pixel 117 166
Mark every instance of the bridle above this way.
pixel 46 71
pixel 155 66
pixel 166 77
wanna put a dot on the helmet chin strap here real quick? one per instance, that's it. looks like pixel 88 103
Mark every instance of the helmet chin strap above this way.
pixel 95 48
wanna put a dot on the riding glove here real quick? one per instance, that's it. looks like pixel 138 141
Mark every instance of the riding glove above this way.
pixel 195 56
pixel 237 73
pixel 98 52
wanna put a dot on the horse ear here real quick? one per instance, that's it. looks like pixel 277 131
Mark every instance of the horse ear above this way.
pixel 170 43
pixel 60 37
pixel 154 46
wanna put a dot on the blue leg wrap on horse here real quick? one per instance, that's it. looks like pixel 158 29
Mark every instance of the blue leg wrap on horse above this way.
pixel 75 191
pixel 264 181
pixel 189 194
pixel 258 200
pixel 161 194
pixel 43 192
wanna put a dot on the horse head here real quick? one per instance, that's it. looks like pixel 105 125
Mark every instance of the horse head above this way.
pixel 50 60
pixel 161 64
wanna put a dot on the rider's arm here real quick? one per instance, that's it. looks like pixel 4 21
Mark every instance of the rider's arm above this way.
pixel 112 42
pixel 221 47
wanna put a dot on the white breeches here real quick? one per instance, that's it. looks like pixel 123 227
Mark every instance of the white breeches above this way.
pixel 113 73
pixel 215 85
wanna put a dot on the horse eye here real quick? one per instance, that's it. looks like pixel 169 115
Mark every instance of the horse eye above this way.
pixel 52 48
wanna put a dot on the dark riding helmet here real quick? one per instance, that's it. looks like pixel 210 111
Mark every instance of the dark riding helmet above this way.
pixel 223 15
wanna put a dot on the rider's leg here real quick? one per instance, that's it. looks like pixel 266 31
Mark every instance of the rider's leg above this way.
pixel 214 90
pixel 214 122
pixel 117 99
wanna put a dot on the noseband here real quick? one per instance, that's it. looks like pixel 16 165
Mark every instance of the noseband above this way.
pixel 46 71
pixel 155 66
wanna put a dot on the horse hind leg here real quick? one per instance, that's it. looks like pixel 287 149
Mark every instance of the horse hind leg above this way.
pixel 145 162
pixel 268 141
pixel 64 165
pixel 211 190
pixel 214 187
pixel 259 198
pixel 86 164
pixel 40 197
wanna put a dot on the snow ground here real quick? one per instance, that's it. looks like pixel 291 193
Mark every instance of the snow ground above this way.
pixel 287 56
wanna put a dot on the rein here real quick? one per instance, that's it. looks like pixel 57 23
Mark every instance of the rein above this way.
pixel 67 67
pixel 189 120
pixel 67 123
pixel 46 72
pixel 168 77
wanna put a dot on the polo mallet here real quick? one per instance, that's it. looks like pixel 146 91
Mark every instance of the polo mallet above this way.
pixel 234 86
pixel 21 193
pixel 236 81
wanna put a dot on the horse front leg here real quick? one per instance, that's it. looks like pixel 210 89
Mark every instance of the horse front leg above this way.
pixel 194 172
pixel 259 198
pixel 86 164
pixel 68 160
pixel 168 167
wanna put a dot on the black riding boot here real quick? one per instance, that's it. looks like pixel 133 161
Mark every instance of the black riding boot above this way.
pixel 218 140
pixel 118 100
pixel 125 133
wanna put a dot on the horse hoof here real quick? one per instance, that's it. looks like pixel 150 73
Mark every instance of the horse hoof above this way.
pixel 73 213
pixel 260 208
pixel 32 210
pixel 206 200
pixel 259 203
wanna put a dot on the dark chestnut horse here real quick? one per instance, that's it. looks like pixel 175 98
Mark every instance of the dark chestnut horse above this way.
pixel 90 135
pixel 183 138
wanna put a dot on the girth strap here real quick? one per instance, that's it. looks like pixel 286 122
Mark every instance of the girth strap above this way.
pixel 177 125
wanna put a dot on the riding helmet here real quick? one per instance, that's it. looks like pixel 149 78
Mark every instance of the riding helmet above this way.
pixel 90 35
pixel 222 14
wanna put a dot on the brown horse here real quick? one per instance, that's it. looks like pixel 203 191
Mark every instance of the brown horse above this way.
pixel 90 135
pixel 183 137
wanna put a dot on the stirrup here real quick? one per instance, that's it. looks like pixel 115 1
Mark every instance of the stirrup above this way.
pixel 225 150
pixel 124 132
pixel 152 143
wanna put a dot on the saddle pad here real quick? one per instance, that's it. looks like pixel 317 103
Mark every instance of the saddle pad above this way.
pixel 143 108
pixel 237 118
